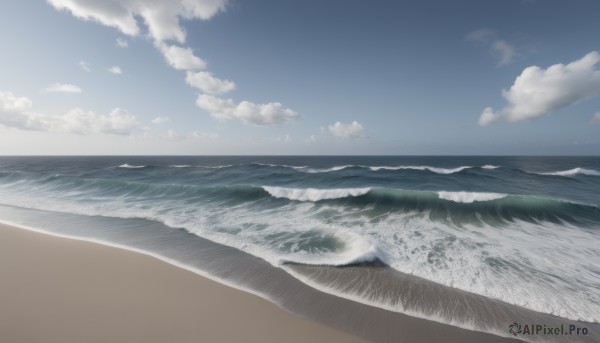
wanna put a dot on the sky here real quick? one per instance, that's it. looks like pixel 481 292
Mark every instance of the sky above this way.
pixel 283 77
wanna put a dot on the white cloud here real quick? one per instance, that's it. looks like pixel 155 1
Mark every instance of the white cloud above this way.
pixel 160 16
pixel 15 113
pixel 84 65
pixel 181 58
pixel 353 130
pixel 595 118
pixel 161 120
pixel 63 88
pixel 122 42
pixel 537 91
pixel 311 139
pixel 270 114
pixel 209 84
pixel 10 103
pixel 205 135
pixel 115 70
pixel 498 47
pixel 173 136
pixel 118 122
pixel 504 51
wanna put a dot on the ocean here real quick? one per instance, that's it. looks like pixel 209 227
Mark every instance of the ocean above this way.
pixel 474 242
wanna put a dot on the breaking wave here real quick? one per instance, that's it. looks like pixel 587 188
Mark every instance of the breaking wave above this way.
pixel 573 172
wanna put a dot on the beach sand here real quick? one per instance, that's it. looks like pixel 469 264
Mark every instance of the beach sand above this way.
pixel 55 289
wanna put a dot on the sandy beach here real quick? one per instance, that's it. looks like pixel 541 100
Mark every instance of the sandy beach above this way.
pixel 55 289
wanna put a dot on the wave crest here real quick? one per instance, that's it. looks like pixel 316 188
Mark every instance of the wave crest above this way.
pixel 355 249
pixel 314 194
pixel 129 166
pixel 573 172
pixel 469 197
pixel 424 168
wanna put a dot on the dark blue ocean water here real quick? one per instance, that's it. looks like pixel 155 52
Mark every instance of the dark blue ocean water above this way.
pixel 524 230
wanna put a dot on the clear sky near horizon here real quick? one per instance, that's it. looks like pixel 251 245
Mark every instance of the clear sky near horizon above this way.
pixel 300 77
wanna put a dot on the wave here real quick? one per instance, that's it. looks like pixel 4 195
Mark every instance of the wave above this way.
pixel 217 167
pixel 132 166
pixel 354 249
pixel 457 207
pixel 313 194
pixel 314 170
pixel 454 206
pixel 324 170
pixel 573 172
pixel 427 168
pixel 437 170
pixel 469 197
pixel 180 166
pixel 276 165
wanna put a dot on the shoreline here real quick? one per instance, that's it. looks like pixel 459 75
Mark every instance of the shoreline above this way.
pixel 68 290
pixel 225 266
pixel 354 320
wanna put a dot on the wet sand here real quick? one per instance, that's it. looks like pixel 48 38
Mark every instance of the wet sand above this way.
pixel 55 289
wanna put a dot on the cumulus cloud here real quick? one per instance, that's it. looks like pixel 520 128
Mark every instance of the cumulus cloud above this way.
pixel 160 16
pixel 270 114
pixel 538 91
pixel 11 103
pixel 84 65
pixel 115 70
pixel 161 120
pixel 118 122
pixel 595 118
pixel 63 88
pixel 181 58
pixel 353 130
pixel 122 42
pixel 15 113
pixel 499 48
pixel 162 19
pixel 209 84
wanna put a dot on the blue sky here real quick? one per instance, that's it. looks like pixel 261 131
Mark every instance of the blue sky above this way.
pixel 299 77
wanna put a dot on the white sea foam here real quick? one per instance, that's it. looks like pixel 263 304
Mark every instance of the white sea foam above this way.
pixel 130 166
pixel 314 194
pixel 356 249
pixel 322 170
pixel 431 169
pixel 489 166
pixel 278 165
pixel 501 263
pixel 573 172
pixel 469 197
pixel 217 167
pixel 180 166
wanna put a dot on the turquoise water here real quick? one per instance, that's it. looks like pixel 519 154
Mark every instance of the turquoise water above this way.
pixel 523 230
